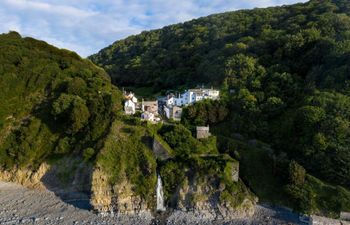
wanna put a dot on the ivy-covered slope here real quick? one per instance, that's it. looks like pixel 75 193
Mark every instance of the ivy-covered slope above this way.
pixel 52 103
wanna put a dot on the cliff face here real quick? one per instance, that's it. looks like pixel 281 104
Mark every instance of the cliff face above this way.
pixel 203 196
pixel 206 200
pixel 119 198
pixel 25 177
pixel 69 178
pixel 123 179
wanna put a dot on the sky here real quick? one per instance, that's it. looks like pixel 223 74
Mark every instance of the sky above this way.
pixel 86 26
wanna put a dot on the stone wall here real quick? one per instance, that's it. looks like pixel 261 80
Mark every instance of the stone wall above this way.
pixel 202 132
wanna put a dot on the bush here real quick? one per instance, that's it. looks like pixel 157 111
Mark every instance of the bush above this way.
pixel 88 154
pixel 296 174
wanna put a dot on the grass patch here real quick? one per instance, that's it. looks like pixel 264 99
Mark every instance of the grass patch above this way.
pixel 125 155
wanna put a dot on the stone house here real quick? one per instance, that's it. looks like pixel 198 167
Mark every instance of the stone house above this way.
pixel 150 106
pixel 173 112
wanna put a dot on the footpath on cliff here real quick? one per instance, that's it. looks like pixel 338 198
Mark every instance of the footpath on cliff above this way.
pixel 20 205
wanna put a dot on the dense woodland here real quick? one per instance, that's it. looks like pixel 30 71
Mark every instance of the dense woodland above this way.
pixel 283 74
pixel 52 103
pixel 57 107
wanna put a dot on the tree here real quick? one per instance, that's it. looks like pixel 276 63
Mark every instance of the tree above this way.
pixel 296 174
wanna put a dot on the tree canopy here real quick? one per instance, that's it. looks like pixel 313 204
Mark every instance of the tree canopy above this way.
pixel 52 102
pixel 283 73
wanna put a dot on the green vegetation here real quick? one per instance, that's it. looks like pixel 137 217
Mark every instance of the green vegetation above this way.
pixel 180 139
pixel 198 161
pixel 257 170
pixel 59 108
pixel 307 40
pixel 283 73
pixel 277 180
pixel 126 155
pixel 284 78
pixel 269 63
pixel 320 130
pixel 204 113
pixel 53 103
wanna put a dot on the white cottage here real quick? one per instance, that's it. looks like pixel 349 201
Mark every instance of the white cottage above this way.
pixel 129 107
pixel 130 103
pixel 194 95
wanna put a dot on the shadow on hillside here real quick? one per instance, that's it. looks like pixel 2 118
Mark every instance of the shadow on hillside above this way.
pixel 70 180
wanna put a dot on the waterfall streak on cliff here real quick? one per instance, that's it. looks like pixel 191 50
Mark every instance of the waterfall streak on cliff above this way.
pixel 160 195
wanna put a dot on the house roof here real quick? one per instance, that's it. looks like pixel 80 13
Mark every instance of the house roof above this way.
pixel 201 90
pixel 202 128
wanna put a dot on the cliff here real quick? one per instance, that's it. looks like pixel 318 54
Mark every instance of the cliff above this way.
pixel 116 198
pixel 206 201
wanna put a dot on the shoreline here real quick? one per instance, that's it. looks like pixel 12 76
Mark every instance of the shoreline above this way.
pixel 20 205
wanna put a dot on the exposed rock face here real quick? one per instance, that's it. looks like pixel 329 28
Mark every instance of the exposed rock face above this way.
pixel 26 177
pixel 101 198
pixel 68 178
pixel 201 198
pixel 115 199
pixel 204 201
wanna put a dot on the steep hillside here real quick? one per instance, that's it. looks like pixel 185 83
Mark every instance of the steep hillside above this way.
pixel 62 129
pixel 52 102
pixel 307 40
pixel 284 79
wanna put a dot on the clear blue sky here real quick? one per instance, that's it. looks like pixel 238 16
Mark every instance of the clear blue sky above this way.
pixel 86 26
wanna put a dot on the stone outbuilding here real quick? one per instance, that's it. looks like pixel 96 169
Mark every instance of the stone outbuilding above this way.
pixel 202 132
pixel 173 112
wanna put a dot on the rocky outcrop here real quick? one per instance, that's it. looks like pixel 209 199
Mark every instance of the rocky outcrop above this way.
pixel 118 198
pixel 101 197
pixel 204 201
pixel 25 176
pixel 69 178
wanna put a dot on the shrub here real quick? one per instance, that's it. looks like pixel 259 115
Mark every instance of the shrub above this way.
pixel 88 154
